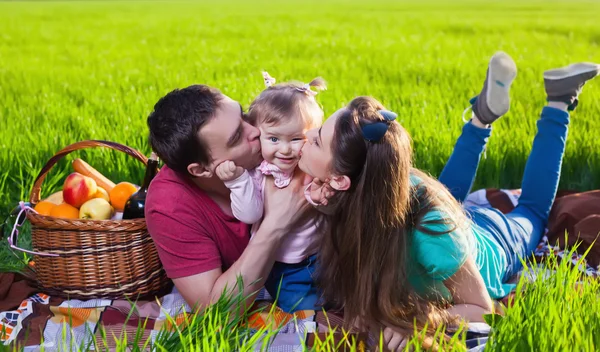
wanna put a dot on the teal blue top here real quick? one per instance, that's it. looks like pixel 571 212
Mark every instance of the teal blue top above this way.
pixel 435 258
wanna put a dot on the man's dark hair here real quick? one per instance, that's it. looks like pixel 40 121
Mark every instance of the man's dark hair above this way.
pixel 175 122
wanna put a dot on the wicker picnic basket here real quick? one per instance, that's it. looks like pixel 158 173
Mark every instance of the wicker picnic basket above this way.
pixel 94 258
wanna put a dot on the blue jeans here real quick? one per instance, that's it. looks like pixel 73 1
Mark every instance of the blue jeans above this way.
pixel 294 285
pixel 519 231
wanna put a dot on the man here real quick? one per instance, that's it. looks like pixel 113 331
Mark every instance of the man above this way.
pixel 203 248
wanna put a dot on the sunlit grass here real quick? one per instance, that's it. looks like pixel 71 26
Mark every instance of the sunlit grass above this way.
pixel 72 71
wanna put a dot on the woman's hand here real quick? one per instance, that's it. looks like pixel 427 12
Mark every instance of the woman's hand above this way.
pixel 395 339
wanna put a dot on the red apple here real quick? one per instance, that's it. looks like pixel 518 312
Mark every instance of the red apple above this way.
pixel 97 209
pixel 78 189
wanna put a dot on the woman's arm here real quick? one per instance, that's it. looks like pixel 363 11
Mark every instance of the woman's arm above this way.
pixel 470 296
pixel 471 299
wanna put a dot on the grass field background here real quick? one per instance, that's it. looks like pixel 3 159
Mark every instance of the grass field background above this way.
pixel 72 71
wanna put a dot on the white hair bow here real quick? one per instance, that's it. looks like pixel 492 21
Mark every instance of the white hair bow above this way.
pixel 269 81
pixel 306 89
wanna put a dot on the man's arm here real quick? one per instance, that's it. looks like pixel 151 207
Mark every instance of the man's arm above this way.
pixel 255 263
pixel 253 267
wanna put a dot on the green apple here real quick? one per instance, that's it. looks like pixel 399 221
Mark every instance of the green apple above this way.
pixel 96 209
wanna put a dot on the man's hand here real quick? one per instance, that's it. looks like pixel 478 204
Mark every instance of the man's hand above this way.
pixel 228 171
pixel 284 206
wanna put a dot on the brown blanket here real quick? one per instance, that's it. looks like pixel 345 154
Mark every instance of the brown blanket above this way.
pixel 14 288
pixel 577 214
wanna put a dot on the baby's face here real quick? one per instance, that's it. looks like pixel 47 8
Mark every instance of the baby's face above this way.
pixel 281 143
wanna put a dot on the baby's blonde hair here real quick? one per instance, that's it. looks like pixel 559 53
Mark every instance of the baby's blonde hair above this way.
pixel 282 102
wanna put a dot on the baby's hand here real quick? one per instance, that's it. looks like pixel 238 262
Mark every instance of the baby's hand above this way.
pixel 227 171
pixel 320 192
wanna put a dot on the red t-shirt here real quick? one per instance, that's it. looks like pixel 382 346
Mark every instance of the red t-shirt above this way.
pixel 192 234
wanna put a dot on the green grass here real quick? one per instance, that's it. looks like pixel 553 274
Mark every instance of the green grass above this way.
pixel 72 71
pixel 557 312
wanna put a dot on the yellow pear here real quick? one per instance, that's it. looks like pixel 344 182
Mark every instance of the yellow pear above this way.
pixel 102 193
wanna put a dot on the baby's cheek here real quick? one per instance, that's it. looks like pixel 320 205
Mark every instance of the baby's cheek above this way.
pixel 296 148
pixel 266 150
pixel 263 145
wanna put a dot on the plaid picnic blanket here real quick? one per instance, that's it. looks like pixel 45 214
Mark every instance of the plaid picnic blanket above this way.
pixel 54 324
pixel 43 322
pixel 51 323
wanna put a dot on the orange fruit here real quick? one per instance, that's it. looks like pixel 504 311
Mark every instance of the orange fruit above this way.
pixel 65 211
pixel 44 207
pixel 120 194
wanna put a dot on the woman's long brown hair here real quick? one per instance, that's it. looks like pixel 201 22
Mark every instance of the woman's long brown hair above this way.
pixel 365 250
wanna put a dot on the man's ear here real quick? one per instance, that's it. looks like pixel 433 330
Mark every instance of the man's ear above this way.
pixel 340 183
pixel 199 170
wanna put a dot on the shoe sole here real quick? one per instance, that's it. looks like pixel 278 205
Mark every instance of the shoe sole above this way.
pixel 573 70
pixel 503 71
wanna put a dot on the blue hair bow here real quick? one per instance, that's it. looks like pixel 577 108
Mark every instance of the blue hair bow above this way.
pixel 373 132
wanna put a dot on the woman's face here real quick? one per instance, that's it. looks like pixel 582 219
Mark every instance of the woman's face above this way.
pixel 315 156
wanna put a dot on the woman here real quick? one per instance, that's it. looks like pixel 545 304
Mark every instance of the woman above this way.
pixel 398 245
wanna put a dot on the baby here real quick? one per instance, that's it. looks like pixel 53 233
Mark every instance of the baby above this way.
pixel 282 113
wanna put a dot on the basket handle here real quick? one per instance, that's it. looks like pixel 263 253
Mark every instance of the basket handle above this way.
pixel 34 197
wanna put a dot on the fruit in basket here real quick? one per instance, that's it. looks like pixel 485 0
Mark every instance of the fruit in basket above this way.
pixel 96 209
pixel 56 198
pixel 85 169
pixel 78 189
pixel 65 211
pixel 101 193
pixel 44 207
pixel 120 194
